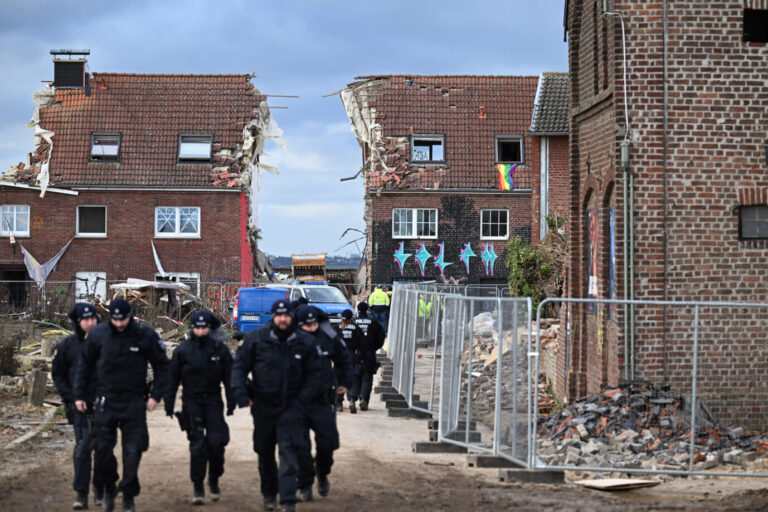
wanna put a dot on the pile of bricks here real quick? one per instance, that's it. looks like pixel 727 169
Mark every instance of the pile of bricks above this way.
pixel 640 426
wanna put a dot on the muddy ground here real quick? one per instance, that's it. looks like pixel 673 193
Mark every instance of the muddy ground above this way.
pixel 375 471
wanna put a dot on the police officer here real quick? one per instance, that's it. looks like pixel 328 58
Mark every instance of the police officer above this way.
pixel 63 368
pixel 352 336
pixel 379 304
pixel 283 365
pixel 201 364
pixel 115 355
pixel 336 367
pixel 371 341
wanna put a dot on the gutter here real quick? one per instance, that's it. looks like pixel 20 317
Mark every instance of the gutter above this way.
pixel 517 191
pixel 38 189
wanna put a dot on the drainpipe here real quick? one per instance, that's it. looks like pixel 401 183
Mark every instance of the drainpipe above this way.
pixel 625 217
pixel 664 168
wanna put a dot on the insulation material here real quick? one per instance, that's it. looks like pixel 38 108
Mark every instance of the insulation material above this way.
pixel 42 98
pixel 43 176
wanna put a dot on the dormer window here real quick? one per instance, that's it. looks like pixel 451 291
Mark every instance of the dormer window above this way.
pixel 509 149
pixel 195 148
pixel 427 149
pixel 105 147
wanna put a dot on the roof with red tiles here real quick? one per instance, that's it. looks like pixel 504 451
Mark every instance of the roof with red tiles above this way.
pixel 469 110
pixel 150 112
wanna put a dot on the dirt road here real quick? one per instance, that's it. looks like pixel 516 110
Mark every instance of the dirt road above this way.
pixel 375 471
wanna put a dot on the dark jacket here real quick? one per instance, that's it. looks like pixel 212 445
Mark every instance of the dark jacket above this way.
pixel 353 337
pixel 200 365
pixel 335 359
pixel 285 374
pixel 371 341
pixel 64 368
pixel 117 361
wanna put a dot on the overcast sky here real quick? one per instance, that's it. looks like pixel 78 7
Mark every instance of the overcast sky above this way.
pixel 297 47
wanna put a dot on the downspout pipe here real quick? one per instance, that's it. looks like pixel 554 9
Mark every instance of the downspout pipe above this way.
pixel 666 187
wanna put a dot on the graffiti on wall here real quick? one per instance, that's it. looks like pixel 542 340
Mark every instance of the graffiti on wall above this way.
pixel 218 296
pixel 422 256
pixel 466 254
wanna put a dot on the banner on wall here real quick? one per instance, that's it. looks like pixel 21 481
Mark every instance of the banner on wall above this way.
pixel 591 258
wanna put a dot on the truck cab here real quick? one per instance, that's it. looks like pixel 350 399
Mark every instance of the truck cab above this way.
pixel 327 299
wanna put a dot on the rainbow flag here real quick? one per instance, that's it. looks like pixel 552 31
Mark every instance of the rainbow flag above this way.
pixel 505 176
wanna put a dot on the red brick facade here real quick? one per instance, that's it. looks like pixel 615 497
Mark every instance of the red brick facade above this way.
pixel 126 251
pixel 690 175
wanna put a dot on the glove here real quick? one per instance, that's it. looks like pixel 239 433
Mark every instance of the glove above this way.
pixel 230 410
pixel 169 410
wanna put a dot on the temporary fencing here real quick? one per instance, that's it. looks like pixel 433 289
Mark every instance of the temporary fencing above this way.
pixel 477 360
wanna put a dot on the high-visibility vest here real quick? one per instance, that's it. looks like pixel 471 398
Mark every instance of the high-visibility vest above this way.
pixel 425 308
pixel 378 298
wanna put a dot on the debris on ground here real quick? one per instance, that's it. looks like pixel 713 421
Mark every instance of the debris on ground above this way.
pixel 641 426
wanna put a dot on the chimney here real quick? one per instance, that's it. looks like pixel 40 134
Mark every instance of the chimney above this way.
pixel 69 69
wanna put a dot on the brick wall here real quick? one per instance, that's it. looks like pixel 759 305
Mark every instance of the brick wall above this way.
pixel 458 224
pixel 127 251
pixel 717 116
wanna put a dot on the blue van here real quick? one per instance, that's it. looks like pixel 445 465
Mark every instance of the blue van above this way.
pixel 251 308
pixel 328 299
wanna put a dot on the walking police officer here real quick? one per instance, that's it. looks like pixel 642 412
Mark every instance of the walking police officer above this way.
pixel 285 376
pixel 379 304
pixel 352 336
pixel 336 367
pixel 371 341
pixel 201 364
pixel 115 355
pixel 63 369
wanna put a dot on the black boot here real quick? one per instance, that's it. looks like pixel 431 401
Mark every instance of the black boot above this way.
pixel 98 495
pixel 128 505
pixel 270 503
pixel 304 494
pixel 108 500
pixel 81 502
pixel 199 493
pixel 363 405
pixel 287 507
pixel 323 485
pixel 213 486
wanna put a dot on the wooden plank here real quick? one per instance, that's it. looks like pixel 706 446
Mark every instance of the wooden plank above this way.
pixel 37 388
pixel 617 484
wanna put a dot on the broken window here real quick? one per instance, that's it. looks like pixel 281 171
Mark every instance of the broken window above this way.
pixel 105 147
pixel 195 148
pixel 756 25
pixel 753 222
pixel 509 150
pixel 14 218
pixel 414 223
pixel 494 224
pixel 91 221
pixel 191 279
pixel 427 148
pixel 172 221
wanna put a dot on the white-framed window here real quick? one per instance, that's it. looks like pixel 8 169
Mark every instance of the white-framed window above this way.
pixel 14 218
pixel 509 149
pixel 90 286
pixel 191 279
pixel 427 148
pixel 105 147
pixel 494 224
pixel 177 221
pixel 195 148
pixel 753 222
pixel 92 221
pixel 414 223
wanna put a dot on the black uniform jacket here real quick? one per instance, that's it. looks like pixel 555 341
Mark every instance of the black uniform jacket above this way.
pixel 353 337
pixel 117 361
pixel 200 365
pixel 64 367
pixel 331 349
pixel 371 341
pixel 284 374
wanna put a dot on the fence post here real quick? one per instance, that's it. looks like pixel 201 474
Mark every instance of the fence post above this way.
pixel 499 359
pixel 469 367
pixel 694 405
pixel 514 380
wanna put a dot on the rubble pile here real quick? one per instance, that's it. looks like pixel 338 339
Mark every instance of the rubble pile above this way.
pixel 640 426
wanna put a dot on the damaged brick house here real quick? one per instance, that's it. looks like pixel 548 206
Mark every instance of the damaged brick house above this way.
pixel 452 167
pixel 129 164
pixel 669 198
